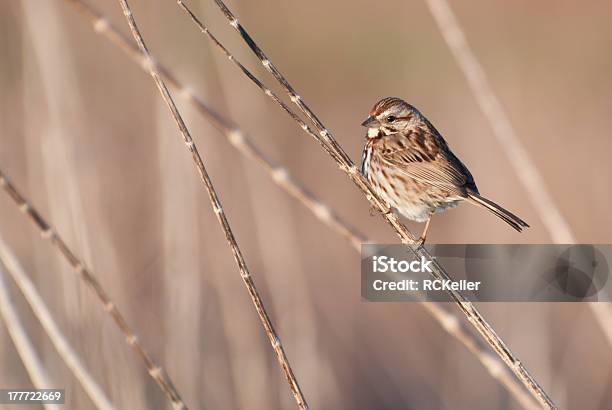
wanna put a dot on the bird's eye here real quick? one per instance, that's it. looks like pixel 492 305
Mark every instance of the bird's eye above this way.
pixel 391 118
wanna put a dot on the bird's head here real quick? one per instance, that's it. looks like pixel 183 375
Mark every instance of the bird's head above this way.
pixel 390 116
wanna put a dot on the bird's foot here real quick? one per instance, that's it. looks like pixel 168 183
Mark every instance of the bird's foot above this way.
pixel 421 241
pixel 375 211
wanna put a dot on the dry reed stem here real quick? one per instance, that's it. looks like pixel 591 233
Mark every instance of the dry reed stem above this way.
pixel 490 362
pixel 218 210
pixel 48 232
pixel 282 177
pixel 526 170
pixel 23 345
pixel 500 123
pixel 319 209
pixel 236 137
pixel 59 341
pixel 326 139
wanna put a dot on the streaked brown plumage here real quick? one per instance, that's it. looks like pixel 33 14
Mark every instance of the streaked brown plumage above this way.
pixel 413 169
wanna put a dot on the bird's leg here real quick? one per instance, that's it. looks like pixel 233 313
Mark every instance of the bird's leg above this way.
pixel 424 234
pixel 374 210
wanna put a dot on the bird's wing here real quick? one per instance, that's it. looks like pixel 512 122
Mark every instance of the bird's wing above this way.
pixel 426 159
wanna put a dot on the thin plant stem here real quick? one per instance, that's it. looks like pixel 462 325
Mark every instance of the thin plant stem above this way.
pixel 492 108
pixel 282 177
pixel 524 167
pixel 25 349
pixel 320 138
pixel 236 137
pixel 344 162
pixel 48 232
pixel 57 338
pixel 218 210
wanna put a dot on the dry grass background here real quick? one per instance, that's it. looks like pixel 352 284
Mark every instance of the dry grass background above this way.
pixel 85 136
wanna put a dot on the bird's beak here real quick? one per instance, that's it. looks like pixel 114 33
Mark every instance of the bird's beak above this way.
pixel 369 122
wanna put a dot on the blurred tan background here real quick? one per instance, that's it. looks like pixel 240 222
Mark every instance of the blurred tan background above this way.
pixel 84 135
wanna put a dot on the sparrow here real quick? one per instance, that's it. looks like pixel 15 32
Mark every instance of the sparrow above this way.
pixel 412 168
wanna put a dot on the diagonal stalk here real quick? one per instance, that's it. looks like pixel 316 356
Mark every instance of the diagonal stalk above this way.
pixel 524 167
pixel 281 176
pixel 23 345
pixel 58 339
pixel 48 232
pixel 344 162
pixel 218 209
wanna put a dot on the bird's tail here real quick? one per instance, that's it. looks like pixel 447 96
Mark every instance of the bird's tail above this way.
pixel 507 216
